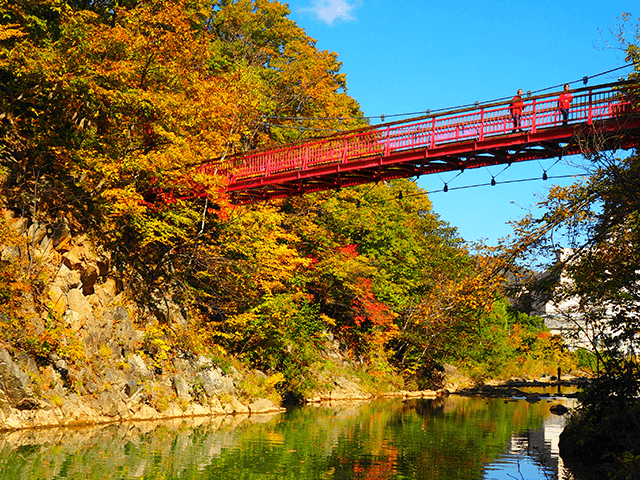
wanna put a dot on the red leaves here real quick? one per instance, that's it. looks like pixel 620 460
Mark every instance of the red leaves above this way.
pixel 376 316
pixel 349 250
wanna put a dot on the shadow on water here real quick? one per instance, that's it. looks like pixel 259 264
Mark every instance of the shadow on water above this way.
pixel 447 438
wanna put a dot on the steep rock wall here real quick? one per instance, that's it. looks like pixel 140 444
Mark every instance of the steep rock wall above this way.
pixel 99 371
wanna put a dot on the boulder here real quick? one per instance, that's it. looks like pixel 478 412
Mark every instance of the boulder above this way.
pixel 106 403
pixel 182 388
pixel 106 291
pixel 60 233
pixel 73 259
pixel 79 304
pixel 454 381
pixel 146 412
pixel 36 232
pixel 20 225
pixel 263 405
pixel 215 382
pixel 46 246
pixel 131 387
pixel 234 406
pixel 88 278
pixel 558 409
pixel 345 389
pixel 10 253
pixel 216 407
pixel 103 262
pixel 138 367
pixel 66 279
pixel 14 385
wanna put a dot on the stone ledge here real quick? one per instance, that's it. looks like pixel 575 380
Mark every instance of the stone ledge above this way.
pixel 78 414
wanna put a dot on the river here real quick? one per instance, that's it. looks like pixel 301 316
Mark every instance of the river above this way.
pixel 452 438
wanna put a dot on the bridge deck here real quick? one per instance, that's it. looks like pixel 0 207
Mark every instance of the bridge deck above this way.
pixel 600 118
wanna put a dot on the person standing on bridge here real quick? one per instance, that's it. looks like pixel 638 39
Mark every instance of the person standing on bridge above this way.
pixel 516 107
pixel 564 103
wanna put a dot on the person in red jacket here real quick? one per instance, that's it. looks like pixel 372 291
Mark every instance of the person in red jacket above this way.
pixel 516 107
pixel 564 103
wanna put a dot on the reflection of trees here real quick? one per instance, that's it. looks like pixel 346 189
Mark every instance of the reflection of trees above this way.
pixel 442 439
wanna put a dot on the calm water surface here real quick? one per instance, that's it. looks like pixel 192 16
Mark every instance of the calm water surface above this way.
pixel 455 438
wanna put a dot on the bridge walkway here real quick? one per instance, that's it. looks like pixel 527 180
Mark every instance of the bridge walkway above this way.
pixel 602 117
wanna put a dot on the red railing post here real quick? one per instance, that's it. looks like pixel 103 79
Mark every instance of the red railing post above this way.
pixel 590 115
pixel 344 151
pixel 534 116
pixel 387 142
pixel 305 161
pixel 433 133
pixel 481 136
pixel 505 124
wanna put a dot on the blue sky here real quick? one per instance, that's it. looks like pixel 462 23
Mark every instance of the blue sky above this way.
pixel 411 55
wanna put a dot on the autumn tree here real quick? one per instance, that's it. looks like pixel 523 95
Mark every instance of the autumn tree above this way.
pixel 304 93
pixel 398 283
pixel 595 223
pixel 105 108
pixel 105 102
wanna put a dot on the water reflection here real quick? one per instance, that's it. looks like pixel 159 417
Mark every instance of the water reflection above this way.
pixel 532 454
pixel 453 438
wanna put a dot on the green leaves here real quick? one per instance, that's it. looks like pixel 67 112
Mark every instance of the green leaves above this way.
pixel 109 107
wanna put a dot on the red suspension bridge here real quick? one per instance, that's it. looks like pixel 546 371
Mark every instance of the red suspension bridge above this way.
pixel 603 117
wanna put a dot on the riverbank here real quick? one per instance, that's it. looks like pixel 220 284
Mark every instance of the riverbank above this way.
pixel 83 348
pixel 111 406
pixel 512 387
pixel 335 440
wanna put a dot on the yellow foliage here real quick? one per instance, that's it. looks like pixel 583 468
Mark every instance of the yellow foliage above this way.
pixel 11 31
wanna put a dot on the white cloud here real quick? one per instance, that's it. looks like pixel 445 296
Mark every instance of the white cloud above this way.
pixel 328 11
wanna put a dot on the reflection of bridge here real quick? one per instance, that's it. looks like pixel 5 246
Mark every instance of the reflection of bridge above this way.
pixel 601 118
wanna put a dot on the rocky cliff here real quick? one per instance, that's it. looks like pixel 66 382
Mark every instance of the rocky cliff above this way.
pixel 96 369
pixel 77 350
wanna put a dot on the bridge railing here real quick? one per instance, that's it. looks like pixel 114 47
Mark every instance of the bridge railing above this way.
pixel 589 105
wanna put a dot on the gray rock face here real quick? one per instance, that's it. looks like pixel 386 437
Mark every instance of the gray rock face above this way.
pixel 182 388
pixel 139 368
pixel 111 380
pixel 215 382
pixel 123 328
pixel 14 385
pixel 106 403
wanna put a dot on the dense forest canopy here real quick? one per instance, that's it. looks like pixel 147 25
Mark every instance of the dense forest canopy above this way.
pixel 102 101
